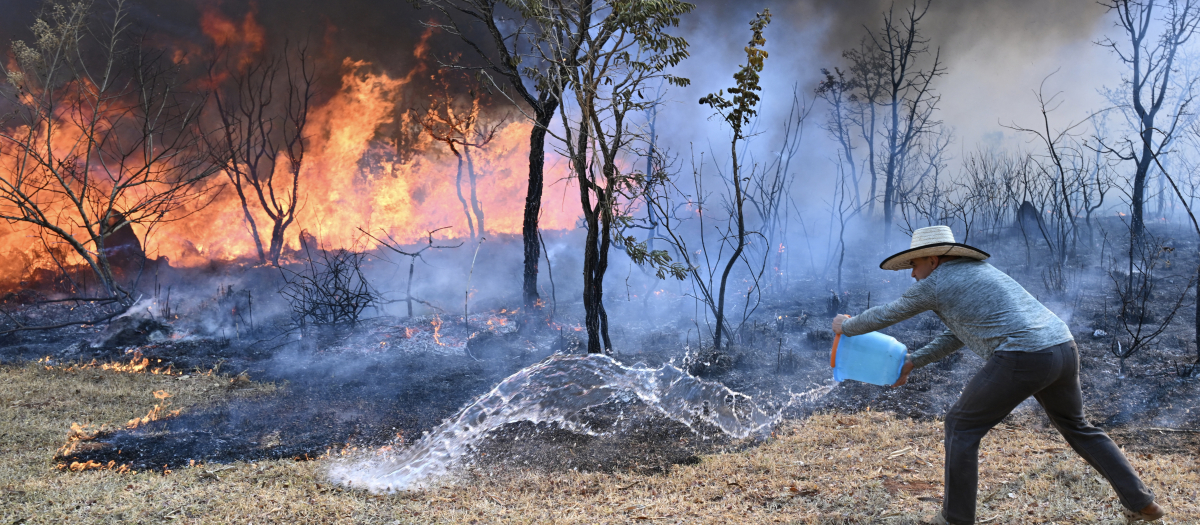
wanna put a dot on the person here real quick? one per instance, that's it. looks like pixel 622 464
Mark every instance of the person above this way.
pixel 1028 351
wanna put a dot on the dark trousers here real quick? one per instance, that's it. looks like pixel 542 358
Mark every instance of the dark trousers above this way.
pixel 1052 377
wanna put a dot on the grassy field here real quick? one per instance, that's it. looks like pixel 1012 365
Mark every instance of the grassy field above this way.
pixel 833 468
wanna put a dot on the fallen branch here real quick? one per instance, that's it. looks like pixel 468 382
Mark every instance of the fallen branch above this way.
pixel 69 299
pixel 415 300
pixel 413 256
pixel 64 325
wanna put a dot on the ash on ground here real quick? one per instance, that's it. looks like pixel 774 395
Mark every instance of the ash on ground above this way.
pixel 399 376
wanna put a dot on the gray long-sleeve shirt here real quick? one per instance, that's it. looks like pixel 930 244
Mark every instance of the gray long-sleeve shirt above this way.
pixel 982 307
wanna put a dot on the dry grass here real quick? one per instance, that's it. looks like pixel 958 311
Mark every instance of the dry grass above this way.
pixel 861 468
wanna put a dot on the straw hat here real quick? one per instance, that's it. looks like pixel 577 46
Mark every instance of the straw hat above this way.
pixel 928 242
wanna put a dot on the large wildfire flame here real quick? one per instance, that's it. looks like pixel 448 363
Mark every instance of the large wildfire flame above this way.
pixel 350 178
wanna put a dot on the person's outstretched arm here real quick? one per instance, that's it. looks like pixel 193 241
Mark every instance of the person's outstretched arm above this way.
pixel 916 299
pixel 941 346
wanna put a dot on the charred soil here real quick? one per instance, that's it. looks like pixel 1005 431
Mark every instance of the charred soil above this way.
pixel 392 379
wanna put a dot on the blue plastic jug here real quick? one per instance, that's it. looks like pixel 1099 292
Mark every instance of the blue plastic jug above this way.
pixel 871 358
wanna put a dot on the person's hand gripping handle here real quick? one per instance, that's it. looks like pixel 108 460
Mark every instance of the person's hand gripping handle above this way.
pixel 837 323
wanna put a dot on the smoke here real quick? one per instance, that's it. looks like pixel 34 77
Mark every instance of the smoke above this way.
pixel 995 53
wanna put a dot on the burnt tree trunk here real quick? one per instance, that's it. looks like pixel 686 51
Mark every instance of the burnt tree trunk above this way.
pixel 889 183
pixel 277 232
pixel 595 263
pixel 1137 222
pixel 606 218
pixel 533 202
pixel 593 291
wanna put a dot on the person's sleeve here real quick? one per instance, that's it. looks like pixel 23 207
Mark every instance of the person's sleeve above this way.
pixel 941 346
pixel 915 300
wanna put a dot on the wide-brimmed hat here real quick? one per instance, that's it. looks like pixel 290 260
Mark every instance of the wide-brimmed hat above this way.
pixel 928 242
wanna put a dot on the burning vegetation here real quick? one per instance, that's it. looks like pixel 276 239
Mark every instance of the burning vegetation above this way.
pixel 251 266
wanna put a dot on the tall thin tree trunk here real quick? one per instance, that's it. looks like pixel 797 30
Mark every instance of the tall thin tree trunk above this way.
pixel 602 264
pixel 741 245
pixel 1159 208
pixel 408 287
pixel 262 255
pixel 533 204
pixel 458 188
pixel 1136 204
pixel 870 138
pixel 474 194
pixel 889 187
pixel 277 231
pixel 593 293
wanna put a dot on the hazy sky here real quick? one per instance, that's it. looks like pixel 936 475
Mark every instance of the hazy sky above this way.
pixel 996 53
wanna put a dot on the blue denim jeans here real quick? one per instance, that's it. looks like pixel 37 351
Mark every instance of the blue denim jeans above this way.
pixel 1052 377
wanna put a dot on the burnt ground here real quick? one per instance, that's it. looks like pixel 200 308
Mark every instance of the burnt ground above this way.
pixel 351 393
pixel 394 376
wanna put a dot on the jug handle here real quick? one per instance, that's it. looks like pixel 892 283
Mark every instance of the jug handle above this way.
pixel 833 354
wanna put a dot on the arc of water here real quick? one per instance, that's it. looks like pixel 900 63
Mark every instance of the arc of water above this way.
pixel 556 390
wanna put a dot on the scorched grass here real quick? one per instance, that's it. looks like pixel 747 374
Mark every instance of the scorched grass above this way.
pixel 832 468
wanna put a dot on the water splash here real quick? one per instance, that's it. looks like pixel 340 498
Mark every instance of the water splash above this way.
pixel 555 390
pixel 811 395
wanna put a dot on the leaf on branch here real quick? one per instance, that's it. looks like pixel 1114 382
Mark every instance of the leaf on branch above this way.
pixel 659 260
pixel 744 97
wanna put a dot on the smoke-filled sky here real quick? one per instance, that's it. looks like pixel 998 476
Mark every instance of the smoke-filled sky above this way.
pixel 996 53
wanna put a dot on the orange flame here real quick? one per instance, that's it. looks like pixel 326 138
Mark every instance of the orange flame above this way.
pixel 136 365
pixel 155 414
pixel 246 39
pixel 356 173
pixel 356 179
pixel 437 328
pixel 92 464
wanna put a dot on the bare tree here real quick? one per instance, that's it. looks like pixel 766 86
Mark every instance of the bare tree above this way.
pixel 394 246
pixel 459 128
pixel 519 63
pixel 1194 367
pixel 908 95
pixel 329 290
pixel 919 180
pixel 100 137
pixel 1064 163
pixel 867 70
pixel 729 235
pixel 260 142
pixel 1137 293
pixel 1150 51
pixel 845 210
pixel 1096 182
pixel 837 90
